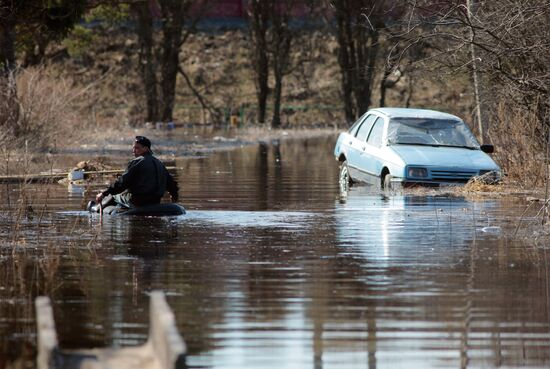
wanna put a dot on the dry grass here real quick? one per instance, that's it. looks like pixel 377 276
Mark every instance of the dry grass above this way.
pixel 519 150
pixel 478 186
pixel 45 115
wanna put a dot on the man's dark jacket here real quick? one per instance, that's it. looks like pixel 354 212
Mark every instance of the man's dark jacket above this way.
pixel 146 178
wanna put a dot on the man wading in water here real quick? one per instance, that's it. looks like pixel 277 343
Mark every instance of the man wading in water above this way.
pixel 143 183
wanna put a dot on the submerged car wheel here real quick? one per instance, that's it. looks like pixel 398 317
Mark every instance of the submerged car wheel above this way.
pixel 345 180
pixel 387 182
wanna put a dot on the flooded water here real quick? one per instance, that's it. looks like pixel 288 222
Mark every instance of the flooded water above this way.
pixel 273 268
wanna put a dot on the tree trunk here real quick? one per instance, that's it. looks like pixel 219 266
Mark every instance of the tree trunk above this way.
pixel 259 23
pixel 366 72
pixel 280 66
pixel 383 86
pixel 277 93
pixel 146 60
pixel 173 12
pixel 282 40
pixel 344 60
pixel 34 54
pixel 262 76
pixel 358 38
pixel 9 111
pixel 7 45
pixel 475 74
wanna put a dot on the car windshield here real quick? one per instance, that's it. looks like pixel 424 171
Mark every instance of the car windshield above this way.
pixel 426 131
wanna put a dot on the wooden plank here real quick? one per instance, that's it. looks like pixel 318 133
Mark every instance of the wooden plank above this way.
pixel 28 178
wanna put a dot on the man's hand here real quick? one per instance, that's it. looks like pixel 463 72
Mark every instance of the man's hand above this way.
pixel 99 197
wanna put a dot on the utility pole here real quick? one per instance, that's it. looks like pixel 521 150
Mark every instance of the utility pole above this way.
pixel 474 72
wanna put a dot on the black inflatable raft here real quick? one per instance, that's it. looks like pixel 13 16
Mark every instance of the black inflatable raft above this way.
pixel 157 210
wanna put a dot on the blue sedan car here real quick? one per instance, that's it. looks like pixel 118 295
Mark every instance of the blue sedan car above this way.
pixel 412 146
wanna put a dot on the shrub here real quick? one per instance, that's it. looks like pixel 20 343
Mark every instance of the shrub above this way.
pixel 80 40
pixel 515 131
pixel 41 113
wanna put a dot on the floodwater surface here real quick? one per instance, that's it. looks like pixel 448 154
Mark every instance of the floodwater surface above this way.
pixel 273 267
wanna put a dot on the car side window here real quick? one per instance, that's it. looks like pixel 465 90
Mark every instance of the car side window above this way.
pixel 375 136
pixel 353 130
pixel 365 128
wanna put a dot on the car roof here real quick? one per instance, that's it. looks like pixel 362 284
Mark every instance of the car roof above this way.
pixel 414 113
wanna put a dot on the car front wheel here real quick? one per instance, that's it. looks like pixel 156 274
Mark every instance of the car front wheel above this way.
pixel 387 182
pixel 345 180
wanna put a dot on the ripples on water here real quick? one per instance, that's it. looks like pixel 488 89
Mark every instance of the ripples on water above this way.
pixel 272 268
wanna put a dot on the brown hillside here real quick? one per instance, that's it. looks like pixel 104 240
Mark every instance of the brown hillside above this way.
pixel 218 64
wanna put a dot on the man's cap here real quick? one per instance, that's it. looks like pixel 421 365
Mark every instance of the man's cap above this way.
pixel 143 141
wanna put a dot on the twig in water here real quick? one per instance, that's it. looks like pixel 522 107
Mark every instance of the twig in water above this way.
pixel 521 219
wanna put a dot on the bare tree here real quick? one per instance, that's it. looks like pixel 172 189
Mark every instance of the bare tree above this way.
pixel 281 41
pixel 173 17
pixel 21 20
pixel 147 63
pixel 510 40
pixel 503 46
pixel 358 25
pixel 259 18
pixel 271 35
pixel 8 91
pixel 8 22
pixel 159 60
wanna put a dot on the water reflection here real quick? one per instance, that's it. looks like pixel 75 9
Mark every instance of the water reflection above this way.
pixel 431 274
pixel 374 221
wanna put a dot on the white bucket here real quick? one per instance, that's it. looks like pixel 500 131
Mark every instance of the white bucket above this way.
pixel 75 175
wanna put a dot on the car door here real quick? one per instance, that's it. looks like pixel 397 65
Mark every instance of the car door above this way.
pixel 357 145
pixel 372 158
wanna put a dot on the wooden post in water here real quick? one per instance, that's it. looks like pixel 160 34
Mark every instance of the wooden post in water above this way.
pixel 46 335
pixel 168 346
pixel 165 348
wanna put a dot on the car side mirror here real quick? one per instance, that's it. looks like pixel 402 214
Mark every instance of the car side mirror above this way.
pixel 489 149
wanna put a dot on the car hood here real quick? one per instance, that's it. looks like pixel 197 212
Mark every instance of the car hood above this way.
pixel 444 156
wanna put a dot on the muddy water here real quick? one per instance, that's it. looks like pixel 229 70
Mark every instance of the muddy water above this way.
pixel 273 268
